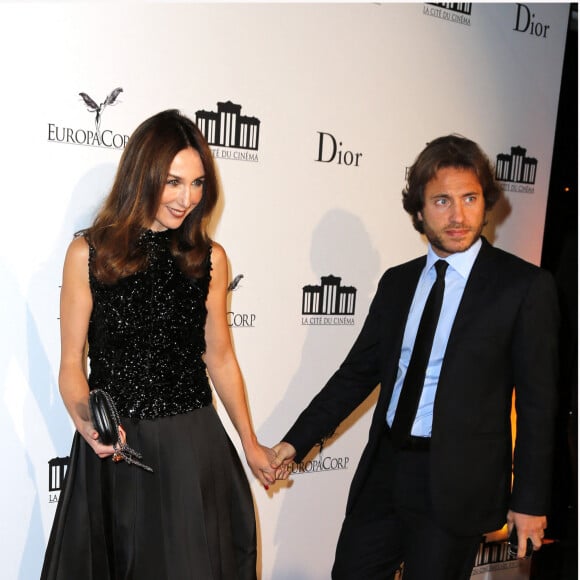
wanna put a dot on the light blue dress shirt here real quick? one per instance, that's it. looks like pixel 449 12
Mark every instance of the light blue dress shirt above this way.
pixel 460 265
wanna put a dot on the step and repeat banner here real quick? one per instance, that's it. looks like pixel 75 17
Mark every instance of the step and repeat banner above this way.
pixel 314 113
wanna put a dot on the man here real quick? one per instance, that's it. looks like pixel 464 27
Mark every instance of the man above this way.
pixel 437 470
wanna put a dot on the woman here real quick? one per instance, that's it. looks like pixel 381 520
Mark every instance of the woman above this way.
pixel 147 287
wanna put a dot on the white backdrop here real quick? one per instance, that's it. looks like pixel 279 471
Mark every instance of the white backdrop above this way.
pixel 382 80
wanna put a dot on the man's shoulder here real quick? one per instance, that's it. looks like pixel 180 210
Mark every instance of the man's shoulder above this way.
pixel 401 272
pixel 416 264
pixel 509 271
pixel 506 261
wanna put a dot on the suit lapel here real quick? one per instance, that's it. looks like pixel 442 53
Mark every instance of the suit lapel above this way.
pixel 477 295
pixel 477 288
pixel 403 297
pixel 397 306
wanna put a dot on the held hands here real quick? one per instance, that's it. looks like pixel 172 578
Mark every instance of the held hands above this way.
pixel 282 463
pixel 268 465
pixel 527 527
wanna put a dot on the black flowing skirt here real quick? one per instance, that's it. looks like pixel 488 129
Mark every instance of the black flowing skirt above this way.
pixel 192 518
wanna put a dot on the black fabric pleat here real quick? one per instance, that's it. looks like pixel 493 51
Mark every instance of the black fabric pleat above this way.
pixel 192 518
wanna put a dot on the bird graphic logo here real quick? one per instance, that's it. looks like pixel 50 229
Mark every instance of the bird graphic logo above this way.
pixel 234 283
pixel 98 109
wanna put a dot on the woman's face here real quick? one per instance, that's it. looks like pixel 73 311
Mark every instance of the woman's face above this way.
pixel 182 192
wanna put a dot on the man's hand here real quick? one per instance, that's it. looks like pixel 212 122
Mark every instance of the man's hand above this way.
pixel 527 527
pixel 285 453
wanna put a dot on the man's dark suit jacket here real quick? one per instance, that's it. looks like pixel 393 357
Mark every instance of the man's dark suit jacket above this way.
pixel 504 334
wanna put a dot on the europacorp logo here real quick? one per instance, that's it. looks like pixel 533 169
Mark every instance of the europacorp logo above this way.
pixel 237 319
pixel 97 134
pixel 320 464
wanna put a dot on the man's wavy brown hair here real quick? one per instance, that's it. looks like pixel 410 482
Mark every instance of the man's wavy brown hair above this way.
pixel 448 151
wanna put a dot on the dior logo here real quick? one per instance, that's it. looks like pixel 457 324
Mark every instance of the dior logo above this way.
pixel 525 22
pixel 330 150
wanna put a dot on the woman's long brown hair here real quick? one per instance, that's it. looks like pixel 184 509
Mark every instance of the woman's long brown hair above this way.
pixel 134 199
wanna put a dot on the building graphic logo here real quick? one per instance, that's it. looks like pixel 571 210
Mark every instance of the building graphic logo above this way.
pixel 57 469
pixel 328 304
pixel 516 171
pixel 230 134
pixel 107 138
pixel 457 12
pixel 493 556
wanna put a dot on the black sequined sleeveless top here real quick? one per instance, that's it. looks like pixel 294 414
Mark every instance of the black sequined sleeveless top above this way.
pixel 146 336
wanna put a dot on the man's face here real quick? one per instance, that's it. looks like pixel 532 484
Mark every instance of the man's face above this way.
pixel 453 214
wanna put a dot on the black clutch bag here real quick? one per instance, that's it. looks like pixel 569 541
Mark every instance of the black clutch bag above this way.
pixel 105 419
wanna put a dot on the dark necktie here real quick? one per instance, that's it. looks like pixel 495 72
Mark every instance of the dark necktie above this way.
pixel 415 377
